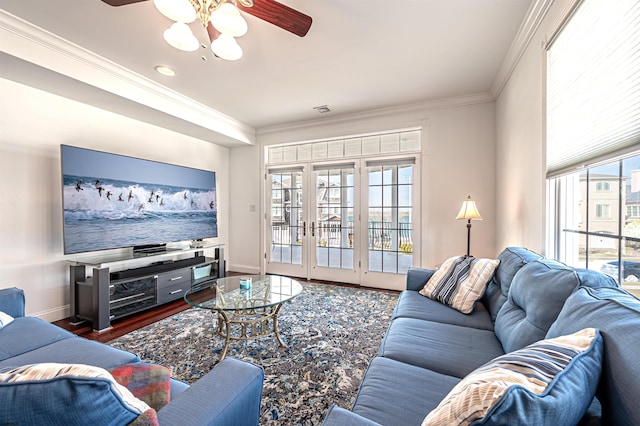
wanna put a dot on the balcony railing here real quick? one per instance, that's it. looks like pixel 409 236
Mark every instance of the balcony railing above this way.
pixel 381 235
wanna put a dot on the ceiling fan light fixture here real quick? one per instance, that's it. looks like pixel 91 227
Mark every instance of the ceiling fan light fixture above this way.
pixel 176 10
pixel 179 35
pixel 226 47
pixel 227 20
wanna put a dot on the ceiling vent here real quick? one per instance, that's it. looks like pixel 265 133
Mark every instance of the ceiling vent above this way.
pixel 322 109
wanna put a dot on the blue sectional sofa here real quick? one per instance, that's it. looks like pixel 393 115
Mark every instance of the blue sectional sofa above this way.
pixel 228 395
pixel 429 348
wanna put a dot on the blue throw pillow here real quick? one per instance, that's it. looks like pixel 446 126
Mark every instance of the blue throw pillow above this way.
pixel 549 382
pixel 68 394
pixel 616 313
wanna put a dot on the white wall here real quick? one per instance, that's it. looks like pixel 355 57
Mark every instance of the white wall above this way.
pixel 33 124
pixel 246 182
pixel 458 159
pixel 520 123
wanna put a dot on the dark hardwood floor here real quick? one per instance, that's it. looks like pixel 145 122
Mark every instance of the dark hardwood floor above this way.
pixel 131 323
pixel 125 325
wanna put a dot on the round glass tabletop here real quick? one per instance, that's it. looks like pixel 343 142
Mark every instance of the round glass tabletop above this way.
pixel 236 292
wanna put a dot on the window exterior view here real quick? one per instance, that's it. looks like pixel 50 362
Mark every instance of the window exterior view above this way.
pixel 598 219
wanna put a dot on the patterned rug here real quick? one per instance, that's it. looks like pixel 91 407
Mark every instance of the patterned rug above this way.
pixel 332 332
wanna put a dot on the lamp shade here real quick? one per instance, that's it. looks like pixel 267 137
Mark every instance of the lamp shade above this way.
pixel 227 20
pixel 179 35
pixel 226 47
pixel 469 210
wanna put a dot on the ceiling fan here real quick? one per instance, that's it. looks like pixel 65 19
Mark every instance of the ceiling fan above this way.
pixel 271 11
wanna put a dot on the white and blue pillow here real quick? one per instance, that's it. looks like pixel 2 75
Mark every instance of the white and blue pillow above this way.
pixel 5 319
pixel 460 282
pixel 550 382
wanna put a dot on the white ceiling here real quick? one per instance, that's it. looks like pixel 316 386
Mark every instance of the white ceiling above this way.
pixel 359 55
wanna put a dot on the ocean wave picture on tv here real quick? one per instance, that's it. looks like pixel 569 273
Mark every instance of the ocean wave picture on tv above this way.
pixel 113 201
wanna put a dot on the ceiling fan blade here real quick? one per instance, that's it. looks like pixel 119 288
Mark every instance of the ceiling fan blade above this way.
pixel 279 15
pixel 121 2
pixel 212 32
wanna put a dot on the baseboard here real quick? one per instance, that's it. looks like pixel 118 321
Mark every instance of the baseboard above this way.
pixel 243 269
pixel 51 315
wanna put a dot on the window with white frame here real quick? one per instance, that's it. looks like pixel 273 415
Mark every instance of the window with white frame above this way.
pixel 603 211
pixel 633 211
pixel 593 139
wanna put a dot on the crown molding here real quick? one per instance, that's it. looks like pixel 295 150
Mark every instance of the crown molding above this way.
pixel 530 24
pixel 35 45
pixel 413 109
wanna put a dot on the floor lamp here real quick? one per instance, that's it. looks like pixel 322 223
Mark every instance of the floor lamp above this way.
pixel 470 212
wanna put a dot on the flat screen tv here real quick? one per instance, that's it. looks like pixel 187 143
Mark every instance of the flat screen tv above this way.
pixel 113 201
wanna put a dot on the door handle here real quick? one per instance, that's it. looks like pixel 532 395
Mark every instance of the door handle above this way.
pixel 304 229
pixel 313 229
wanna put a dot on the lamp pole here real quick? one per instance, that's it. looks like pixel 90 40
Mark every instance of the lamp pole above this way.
pixel 468 237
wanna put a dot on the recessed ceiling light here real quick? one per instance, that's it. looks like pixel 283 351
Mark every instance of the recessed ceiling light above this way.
pixel 166 71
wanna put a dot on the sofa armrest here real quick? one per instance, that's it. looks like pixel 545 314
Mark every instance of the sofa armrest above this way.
pixel 418 277
pixel 12 301
pixel 229 394
pixel 340 417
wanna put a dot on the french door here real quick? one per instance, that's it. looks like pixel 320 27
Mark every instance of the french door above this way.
pixel 342 221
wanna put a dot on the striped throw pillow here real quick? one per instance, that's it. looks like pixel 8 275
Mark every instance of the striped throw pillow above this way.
pixel 460 282
pixel 550 382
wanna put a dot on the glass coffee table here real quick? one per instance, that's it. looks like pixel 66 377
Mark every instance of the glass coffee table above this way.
pixel 247 306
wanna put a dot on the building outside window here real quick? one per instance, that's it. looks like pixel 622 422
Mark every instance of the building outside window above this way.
pixel 595 229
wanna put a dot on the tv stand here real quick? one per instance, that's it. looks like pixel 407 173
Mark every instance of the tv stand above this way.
pixel 103 291
pixel 151 249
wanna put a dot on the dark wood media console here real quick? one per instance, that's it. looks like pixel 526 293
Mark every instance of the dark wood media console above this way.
pixel 100 296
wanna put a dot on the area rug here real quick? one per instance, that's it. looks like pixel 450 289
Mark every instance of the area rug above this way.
pixel 331 332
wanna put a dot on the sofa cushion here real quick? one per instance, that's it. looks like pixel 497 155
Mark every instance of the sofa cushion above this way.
pixel 617 314
pixel 589 278
pixel 394 393
pixel 460 282
pixel 444 348
pixel 12 301
pixel 51 393
pixel 76 350
pixel 417 277
pixel 537 294
pixel 511 260
pixel 554 380
pixel 5 319
pixel 28 333
pixel 412 304
pixel 147 382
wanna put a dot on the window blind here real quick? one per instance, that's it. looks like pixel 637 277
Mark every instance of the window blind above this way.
pixel 593 85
